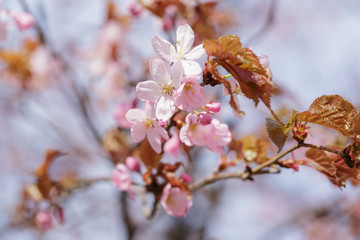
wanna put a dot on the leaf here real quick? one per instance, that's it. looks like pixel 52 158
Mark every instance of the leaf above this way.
pixel 326 163
pixel 253 77
pixel 147 155
pixel 277 132
pixel 331 111
pixel 356 124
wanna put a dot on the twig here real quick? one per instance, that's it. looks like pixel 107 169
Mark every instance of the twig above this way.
pixel 308 145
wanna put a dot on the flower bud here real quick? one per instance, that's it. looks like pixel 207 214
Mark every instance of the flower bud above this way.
pixel 132 163
pixel 213 107
pixel 43 220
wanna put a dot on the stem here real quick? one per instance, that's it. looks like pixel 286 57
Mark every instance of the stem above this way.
pixel 227 76
pixel 308 145
pixel 244 175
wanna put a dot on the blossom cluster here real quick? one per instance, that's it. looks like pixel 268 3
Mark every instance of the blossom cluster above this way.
pixel 173 88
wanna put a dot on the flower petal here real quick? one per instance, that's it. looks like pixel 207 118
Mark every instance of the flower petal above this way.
pixel 184 36
pixel 165 108
pixel 195 53
pixel 135 115
pixel 163 48
pixel 148 90
pixel 154 139
pixel 177 74
pixel 191 67
pixel 160 71
pixel 138 131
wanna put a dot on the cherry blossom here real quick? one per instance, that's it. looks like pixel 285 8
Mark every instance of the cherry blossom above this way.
pixel 132 163
pixel 176 201
pixel 121 177
pixel 144 125
pixel 119 113
pixel 43 220
pixel 172 146
pixel 23 20
pixel 190 95
pixel 214 135
pixel 161 88
pixel 181 52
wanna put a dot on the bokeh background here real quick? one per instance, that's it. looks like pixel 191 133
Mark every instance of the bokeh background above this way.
pixel 313 50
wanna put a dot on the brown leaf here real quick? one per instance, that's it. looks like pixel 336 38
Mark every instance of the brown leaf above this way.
pixel 115 142
pixel 326 163
pixel 331 111
pixel 277 132
pixel 147 155
pixel 356 124
pixel 253 77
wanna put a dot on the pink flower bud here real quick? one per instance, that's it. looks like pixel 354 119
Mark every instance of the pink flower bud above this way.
pixel 163 123
pixel 23 20
pixel 213 107
pixel 187 178
pixel 172 146
pixel 121 177
pixel 205 118
pixel 43 220
pixel 133 164
pixel 168 23
pixel 135 9
pixel 176 201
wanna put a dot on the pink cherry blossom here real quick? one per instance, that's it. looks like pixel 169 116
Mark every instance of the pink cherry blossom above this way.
pixel 23 20
pixel 212 107
pixel 214 135
pixel 187 178
pixel 144 125
pixel 176 201
pixel 121 177
pixel 161 89
pixel 182 52
pixel 119 113
pixel 205 118
pixel 43 220
pixel 190 95
pixel 220 138
pixel 172 146
pixel 132 163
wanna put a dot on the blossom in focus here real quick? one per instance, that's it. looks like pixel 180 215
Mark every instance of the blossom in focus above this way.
pixel 212 107
pixel 43 220
pixel 161 88
pixel 181 52
pixel 144 124
pixel 214 135
pixel 220 138
pixel 121 177
pixel 176 201
pixel 190 95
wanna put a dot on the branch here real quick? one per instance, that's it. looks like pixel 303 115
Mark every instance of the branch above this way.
pixel 308 145
pixel 244 175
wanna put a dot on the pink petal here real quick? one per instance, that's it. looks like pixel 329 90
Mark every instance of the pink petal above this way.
pixel 154 139
pixel 148 90
pixel 177 74
pixel 132 163
pixel 160 71
pixel 138 131
pixel 135 115
pixel 172 146
pixel 165 108
pixel 43 220
pixel 121 177
pixel 195 53
pixel 163 133
pixel 191 67
pixel 23 20
pixel 184 36
pixel 163 49
pixel 184 136
pixel 175 201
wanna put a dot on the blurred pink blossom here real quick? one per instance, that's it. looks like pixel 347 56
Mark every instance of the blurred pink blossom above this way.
pixel 213 107
pixel 121 177
pixel 23 20
pixel 172 146
pixel 43 220
pixel 132 163
pixel 176 201
pixel 119 114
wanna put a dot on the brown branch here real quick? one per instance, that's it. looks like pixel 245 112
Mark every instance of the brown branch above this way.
pixel 328 149
pixel 244 175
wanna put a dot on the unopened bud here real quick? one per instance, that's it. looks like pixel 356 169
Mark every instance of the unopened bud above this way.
pixel 133 164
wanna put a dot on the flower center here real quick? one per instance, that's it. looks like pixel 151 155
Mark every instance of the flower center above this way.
pixel 168 90
pixel 148 123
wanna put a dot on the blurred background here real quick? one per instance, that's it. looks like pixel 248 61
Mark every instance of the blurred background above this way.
pixel 312 48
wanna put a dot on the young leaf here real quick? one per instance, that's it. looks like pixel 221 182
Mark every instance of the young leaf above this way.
pixel 277 132
pixel 253 77
pixel 147 155
pixel 331 111
pixel 356 124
